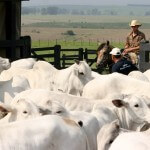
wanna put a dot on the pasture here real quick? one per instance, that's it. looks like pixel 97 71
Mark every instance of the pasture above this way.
pixel 89 31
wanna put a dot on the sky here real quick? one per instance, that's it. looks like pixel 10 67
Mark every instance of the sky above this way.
pixel 84 2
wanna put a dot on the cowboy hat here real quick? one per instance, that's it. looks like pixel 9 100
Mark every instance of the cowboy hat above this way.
pixel 135 23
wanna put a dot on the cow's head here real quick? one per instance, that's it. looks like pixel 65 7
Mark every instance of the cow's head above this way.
pixel 19 110
pixel 107 134
pixel 132 114
pixel 56 108
pixel 82 68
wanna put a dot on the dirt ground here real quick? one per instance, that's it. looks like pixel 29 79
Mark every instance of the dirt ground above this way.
pixel 114 35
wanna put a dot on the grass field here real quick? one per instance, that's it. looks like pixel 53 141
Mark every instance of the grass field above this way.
pixel 28 19
pixel 90 22
pixel 72 44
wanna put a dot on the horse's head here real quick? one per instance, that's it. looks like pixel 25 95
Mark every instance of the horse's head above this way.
pixel 103 56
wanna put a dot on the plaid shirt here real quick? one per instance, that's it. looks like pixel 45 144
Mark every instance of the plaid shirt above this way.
pixel 134 41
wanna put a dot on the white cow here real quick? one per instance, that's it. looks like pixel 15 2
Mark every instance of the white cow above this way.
pixel 44 75
pixel 19 110
pixel 128 119
pixel 109 132
pixel 23 109
pixel 147 74
pixel 26 63
pixel 107 135
pixel 122 111
pixel 130 141
pixel 38 77
pixel 43 133
pixel 72 79
pixel 103 111
pixel 90 124
pixel 138 75
pixel 95 74
pixel 108 86
pixel 4 64
pixel 44 97
pixel 9 88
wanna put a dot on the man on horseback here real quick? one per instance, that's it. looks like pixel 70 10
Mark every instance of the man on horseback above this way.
pixel 133 40
pixel 121 65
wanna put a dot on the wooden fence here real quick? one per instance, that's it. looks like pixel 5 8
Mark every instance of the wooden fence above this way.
pixel 63 58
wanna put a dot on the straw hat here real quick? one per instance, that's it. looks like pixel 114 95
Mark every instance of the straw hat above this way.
pixel 135 23
pixel 115 51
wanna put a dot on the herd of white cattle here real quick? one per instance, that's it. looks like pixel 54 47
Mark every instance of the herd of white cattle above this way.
pixel 43 108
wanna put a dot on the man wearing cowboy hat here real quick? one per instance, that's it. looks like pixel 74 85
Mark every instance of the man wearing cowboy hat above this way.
pixel 133 40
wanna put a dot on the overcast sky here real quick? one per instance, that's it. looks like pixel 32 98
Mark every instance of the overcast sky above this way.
pixel 85 2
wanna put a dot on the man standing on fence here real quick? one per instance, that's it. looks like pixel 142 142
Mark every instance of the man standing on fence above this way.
pixel 133 40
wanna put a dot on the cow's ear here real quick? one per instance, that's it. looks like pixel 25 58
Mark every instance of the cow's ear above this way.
pixel 4 110
pixel 145 127
pixel 77 61
pixel 119 103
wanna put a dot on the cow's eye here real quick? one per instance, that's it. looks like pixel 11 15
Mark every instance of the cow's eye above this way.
pixel 136 105
pixel 110 142
pixel 25 112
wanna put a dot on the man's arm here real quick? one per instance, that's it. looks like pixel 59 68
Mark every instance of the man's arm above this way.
pixel 133 49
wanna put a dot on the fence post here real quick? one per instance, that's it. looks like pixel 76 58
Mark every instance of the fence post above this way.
pixel 81 53
pixel 85 54
pixel 25 51
pixel 57 50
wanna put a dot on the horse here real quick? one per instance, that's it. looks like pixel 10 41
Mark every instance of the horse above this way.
pixel 103 57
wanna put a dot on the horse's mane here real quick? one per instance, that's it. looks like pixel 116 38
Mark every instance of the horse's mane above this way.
pixel 103 44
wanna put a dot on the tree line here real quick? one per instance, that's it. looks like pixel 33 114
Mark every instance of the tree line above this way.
pixel 54 10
